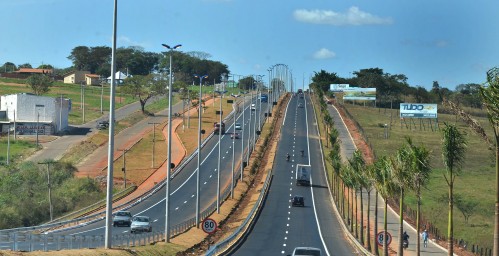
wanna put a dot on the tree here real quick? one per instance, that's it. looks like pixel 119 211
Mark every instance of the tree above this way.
pixel 358 166
pixel 25 65
pixel 490 96
pixel 40 84
pixel 386 186
pixel 45 66
pixel 453 149
pixel 402 174
pixel 144 88
pixel 8 66
pixel 420 165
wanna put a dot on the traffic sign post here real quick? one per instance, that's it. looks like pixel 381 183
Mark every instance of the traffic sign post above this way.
pixel 209 225
pixel 380 238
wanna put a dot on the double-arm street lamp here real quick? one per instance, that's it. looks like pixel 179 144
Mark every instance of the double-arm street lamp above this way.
pixel 199 144
pixel 169 151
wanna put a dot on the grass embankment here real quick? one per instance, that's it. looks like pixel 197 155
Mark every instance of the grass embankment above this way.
pixel 475 184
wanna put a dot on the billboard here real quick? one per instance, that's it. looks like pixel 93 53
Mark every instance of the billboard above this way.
pixel 356 93
pixel 338 87
pixel 418 110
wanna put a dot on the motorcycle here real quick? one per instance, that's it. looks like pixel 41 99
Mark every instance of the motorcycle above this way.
pixel 405 243
pixel 287 158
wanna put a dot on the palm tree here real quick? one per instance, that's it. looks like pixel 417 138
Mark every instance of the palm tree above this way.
pixel 348 181
pixel 368 184
pixel 386 187
pixel 358 164
pixel 453 148
pixel 421 169
pixel 490 96
pixel 403 178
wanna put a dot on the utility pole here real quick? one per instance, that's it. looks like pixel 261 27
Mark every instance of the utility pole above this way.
pixel 153 141
pixel 49 188
pixel 124 164
pixel 8 145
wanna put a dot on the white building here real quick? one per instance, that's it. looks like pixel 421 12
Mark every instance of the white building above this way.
pixel 25 113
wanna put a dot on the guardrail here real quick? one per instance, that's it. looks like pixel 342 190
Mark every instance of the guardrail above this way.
pixel 228 242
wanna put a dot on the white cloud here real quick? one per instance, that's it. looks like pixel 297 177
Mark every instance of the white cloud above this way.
pixel 324 53
pixel 441 43
pixel 124 40
pixel 354 16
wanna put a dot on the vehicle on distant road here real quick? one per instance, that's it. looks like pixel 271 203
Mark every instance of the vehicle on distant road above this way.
pixel 264 98
pixel 300 105
pixel 298 201
pixel 238 126
pixel 234 135
pixel 140 224
pixel 218 129
pixel 303 175
pixel 306 251
pixel 253 107
pixel 122 218
pixel 101 125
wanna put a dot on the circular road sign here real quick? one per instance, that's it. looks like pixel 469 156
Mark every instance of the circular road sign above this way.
pixel 209 225
pixel 380 236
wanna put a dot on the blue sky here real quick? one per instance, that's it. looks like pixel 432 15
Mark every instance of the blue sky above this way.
pixel 452 42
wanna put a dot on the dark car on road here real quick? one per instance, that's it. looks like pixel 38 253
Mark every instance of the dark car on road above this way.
pixel 101 125
pixel 298 201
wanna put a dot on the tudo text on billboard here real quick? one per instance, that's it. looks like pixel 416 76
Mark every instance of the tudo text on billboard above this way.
pixel 418 110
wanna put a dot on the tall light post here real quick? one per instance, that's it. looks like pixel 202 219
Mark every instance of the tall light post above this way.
pixel 60 114
pixel 169 151
pixel 8 145
pixel 51 208
pixel 220 125
pixel 199 144
pixel 242 133
pixel 153 141
pixel 110 151
pixel 124 165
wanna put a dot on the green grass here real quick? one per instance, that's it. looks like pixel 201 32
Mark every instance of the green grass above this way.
pixel 18 148
pixel 74 92
pixel 476 182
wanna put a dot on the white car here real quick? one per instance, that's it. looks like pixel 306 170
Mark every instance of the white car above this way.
pixel 309 251
pixel 253 107
pixel 140 224
pixel 238 126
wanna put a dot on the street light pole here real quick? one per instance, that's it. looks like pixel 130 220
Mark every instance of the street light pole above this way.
pixel 242 133
pixel 110 151
pixel 199 145
pixel 169 157
pixel 51 209
pixel 8 145
pixel 124 165
pixel 153 141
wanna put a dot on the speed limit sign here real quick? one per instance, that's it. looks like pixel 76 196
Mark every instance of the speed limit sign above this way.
pixel 209 225
pixel 380 237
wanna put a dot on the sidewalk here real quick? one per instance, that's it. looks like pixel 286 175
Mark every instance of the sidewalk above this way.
pixel 97 161
pixel 348 146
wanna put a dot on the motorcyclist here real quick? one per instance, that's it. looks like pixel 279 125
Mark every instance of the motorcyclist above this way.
pixel 287 156
pixel 405 238
pixel 302 152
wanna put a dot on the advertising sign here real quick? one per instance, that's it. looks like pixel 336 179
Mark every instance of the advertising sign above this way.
pixel 338 87
pixel 418 110
pixel 356 93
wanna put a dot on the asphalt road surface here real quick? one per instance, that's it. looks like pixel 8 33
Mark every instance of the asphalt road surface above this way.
pixel 280 227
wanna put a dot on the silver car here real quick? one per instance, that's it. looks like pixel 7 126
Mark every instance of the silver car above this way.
pixel 122 218
pixel 140 224
pixel 309 251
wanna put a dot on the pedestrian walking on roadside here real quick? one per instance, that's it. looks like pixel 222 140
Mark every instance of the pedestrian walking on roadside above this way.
pixel 424 236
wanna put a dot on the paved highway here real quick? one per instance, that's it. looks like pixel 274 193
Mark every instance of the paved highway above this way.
pixel 280 227
pixel 183 186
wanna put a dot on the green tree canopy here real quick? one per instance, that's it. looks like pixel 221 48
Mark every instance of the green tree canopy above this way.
pixel 39 84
